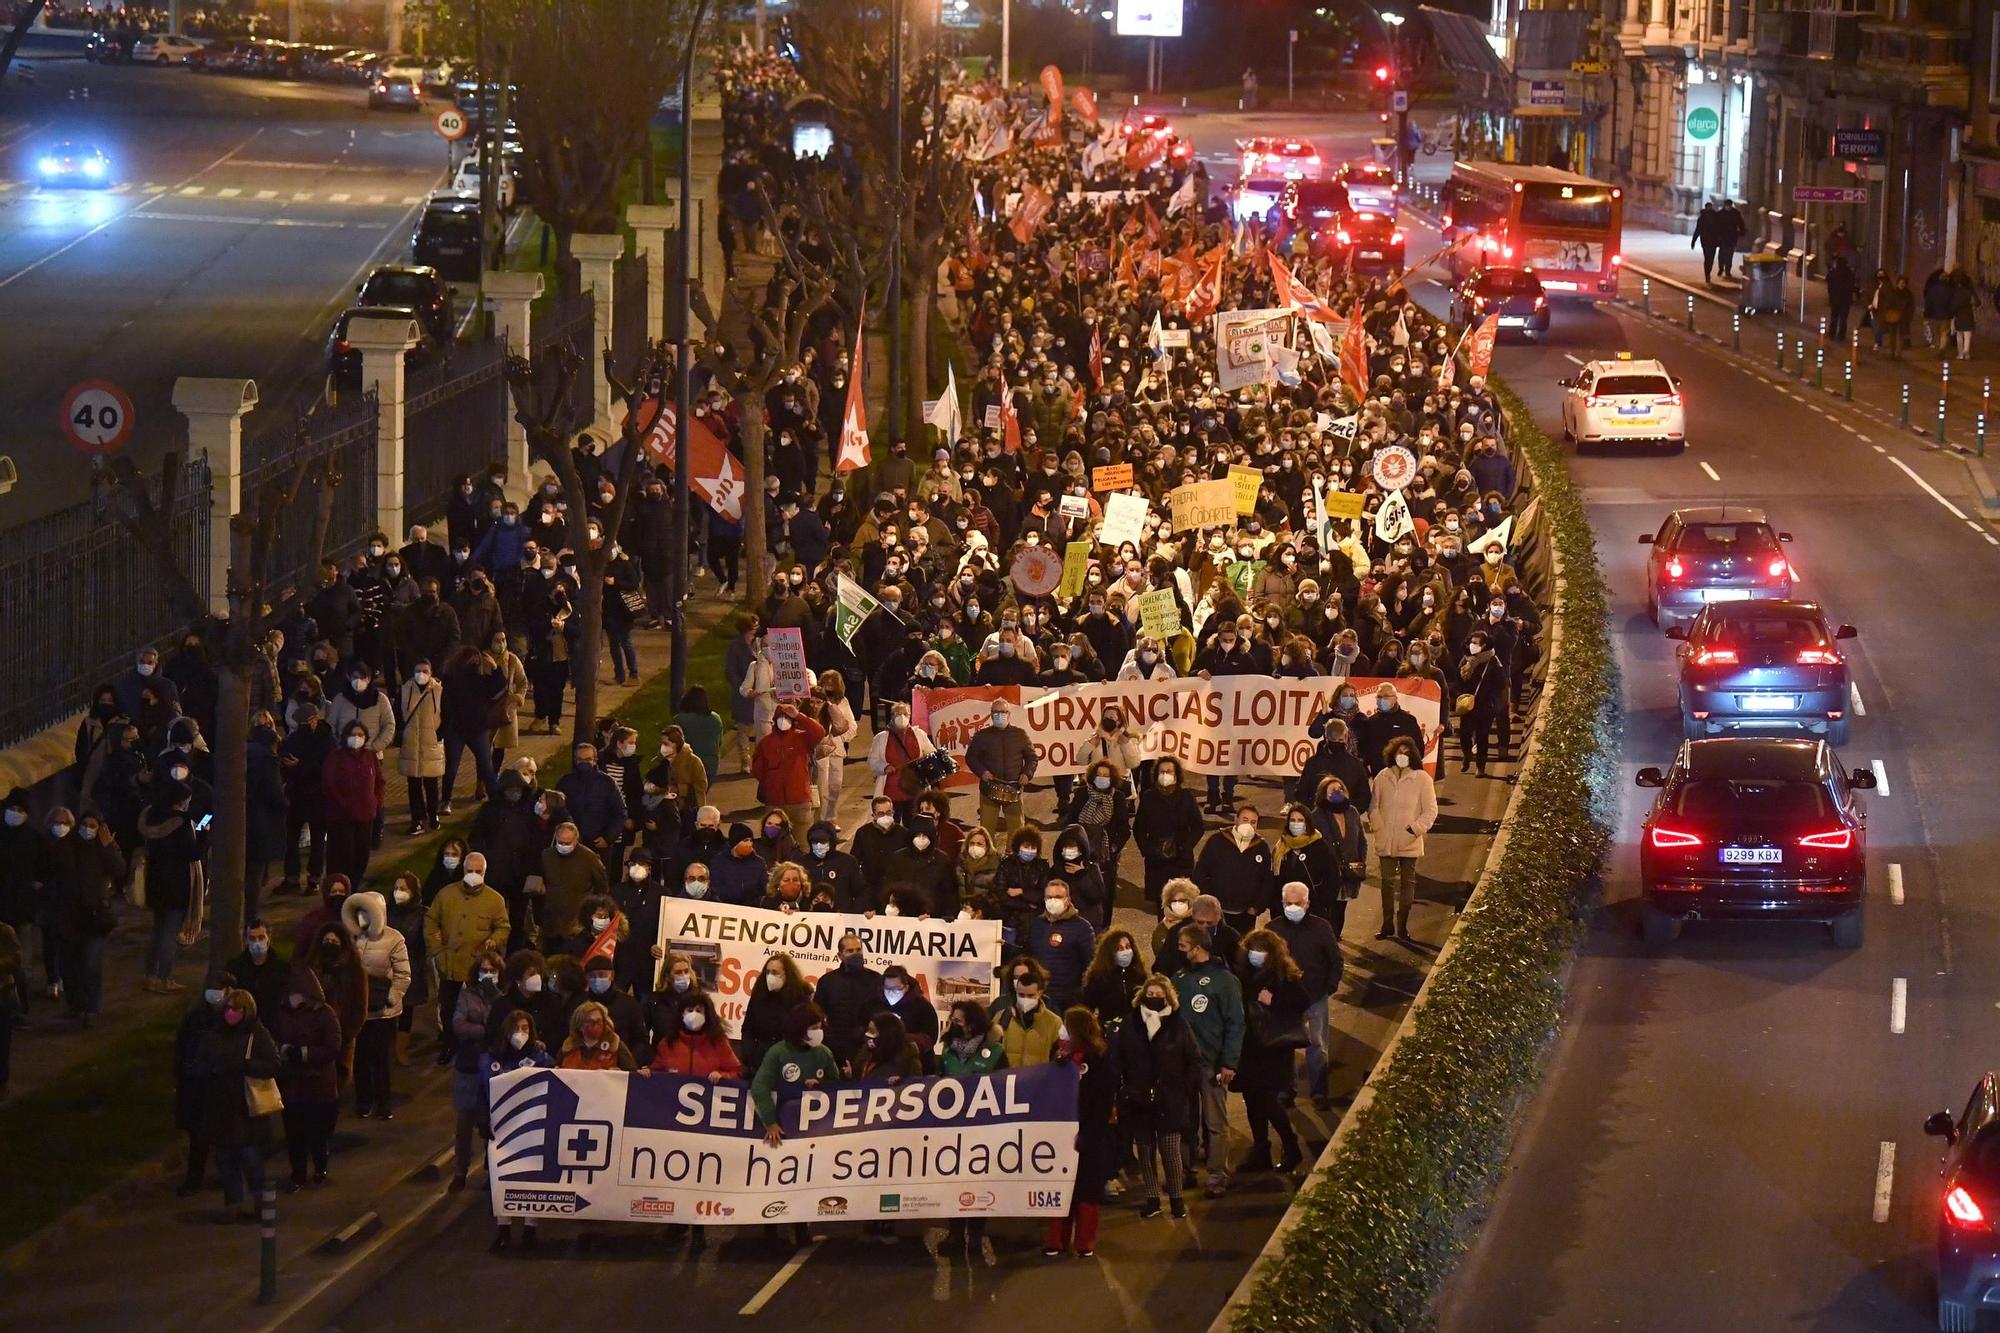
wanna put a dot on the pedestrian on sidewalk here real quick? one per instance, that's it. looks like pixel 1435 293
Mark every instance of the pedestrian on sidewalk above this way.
pixel 1729 232
pixel 1401 809
pixel 465 920
pixel 1840 288
pixel 1895 309
pixel 420 756
pixel 175 851
pixel 1964 311
pixel 1705 236
pixel 231 1055
pixel 475 695
pixel 747 687
pixel 308 1036
pixel 302 759
pixel 1937 311
pixel 406 916
pixel 202 1017
pixel 466 1048
pixel 385 967
pixel 79 878
pixel 338 966
pixel 352 788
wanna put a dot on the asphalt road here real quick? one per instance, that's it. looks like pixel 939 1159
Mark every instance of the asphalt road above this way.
pixel 240 215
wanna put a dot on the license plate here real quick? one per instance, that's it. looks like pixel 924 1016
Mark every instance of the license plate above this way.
pixel 1752 856
pixel 1371 254
pixel 1725 594
pixel 1513 321
pixel 1768 703
pixel 1635 410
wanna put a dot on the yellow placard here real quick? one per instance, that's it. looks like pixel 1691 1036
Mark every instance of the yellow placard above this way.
pixel 1076 559
pixel 1159 614
pixel 1203 504
pixel 1246 480
pixel 1117 477
pixel 1343 504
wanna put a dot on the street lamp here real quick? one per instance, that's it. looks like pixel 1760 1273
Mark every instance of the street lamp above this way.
pixel 1392 26
pixel 677 565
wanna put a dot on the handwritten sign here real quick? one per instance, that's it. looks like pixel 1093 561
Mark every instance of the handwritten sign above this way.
pixel 1159 614
pixel 786 648
pixel 1343 504
pixel 992 418
pixel 1076 561
pixel 1117 477
pixel 1124 519
pixel 1246 480
pixel 1036 571
pixel 1203 504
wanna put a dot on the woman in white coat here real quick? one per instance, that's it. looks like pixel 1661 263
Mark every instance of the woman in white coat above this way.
pixel 385 962
pixel 830 755
pixel 1402 809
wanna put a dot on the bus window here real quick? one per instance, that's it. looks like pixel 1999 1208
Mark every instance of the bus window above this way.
pixel 1565 206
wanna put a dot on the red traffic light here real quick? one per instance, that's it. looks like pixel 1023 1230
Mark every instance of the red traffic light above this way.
pixel 1381 74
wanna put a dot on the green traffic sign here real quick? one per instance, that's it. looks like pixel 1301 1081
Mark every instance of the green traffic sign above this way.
pixel 1703 124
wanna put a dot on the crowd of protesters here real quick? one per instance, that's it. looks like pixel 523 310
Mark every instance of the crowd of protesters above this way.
pixel 529 942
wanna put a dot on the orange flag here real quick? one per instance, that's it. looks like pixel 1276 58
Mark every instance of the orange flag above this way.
pixel 853 452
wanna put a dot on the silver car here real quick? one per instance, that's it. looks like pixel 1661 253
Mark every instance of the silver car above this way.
pixel 1715 553
pixel 1763 666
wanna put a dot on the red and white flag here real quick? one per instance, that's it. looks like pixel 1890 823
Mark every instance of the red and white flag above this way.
pixel 1479 359
pixel 1097 358
pixel 853 452
pixel 715 474
pixel 1354 357
pixel 1205 297
pixel 1029 210
pixel 1085 103
pixel 1010 419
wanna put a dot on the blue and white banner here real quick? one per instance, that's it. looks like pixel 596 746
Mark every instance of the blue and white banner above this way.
pixel 616 1147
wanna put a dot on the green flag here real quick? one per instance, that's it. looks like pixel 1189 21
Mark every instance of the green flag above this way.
pixel 852 605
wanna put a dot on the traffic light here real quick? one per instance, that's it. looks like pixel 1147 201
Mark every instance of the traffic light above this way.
pixel 1383 75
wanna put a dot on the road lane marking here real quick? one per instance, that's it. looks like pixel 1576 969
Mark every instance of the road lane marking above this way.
pixel 1854 699
pixel 378 198
pixel 1885 1179
pixel 1896 883
pixel 302 196
pixel 1573 360
pixel 1991 540
pixel 267 194
pixel 779 1279
pixel 1878 448
pixel 410 199
pixel 191 190
pixel 1931 490
pixel 157 189
pixel 228 192
pixel 1881 777
pixel 1712 474
pixel 1899 1004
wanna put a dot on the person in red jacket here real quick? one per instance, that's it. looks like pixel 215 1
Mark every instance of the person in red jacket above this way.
pixel 594 1042
pixel 351 790
pixel 696 1047
pixel 782 763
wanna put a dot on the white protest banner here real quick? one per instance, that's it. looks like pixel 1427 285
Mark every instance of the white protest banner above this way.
pixel 1240 339
pixel 787 651
pixel 951 960
pixel 615 1147
pixel 1124 519
pixel 1246 725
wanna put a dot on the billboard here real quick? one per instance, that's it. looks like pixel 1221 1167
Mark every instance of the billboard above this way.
pixel 1149 18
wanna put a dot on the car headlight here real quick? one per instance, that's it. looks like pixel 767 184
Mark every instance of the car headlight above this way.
pixel 50 166
pixel 94 166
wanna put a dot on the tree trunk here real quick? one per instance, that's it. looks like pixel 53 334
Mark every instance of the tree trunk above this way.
pixel 755 538
pixel 920 363
pixel 232 803
pixel 21 26
pixel 588 658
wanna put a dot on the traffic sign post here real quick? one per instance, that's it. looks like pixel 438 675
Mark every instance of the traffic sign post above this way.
pixel 1829 194
pixel 96 417
pixel 450 124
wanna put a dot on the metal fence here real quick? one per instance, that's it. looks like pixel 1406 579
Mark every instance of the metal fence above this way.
pixel 573 319
pixel 454 423
pixel 629 331
pixel 79 596
pixel 347 435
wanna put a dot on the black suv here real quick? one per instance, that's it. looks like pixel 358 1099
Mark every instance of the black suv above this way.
pixel 415 288
pixel 1514 294
pixel 343 358
pixel 449 238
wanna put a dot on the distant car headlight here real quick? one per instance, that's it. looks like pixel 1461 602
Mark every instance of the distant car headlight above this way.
pixel 51 166
pixel 94 166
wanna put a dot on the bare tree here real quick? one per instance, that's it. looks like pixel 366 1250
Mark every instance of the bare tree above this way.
pixel 146 514
pixel 24 20
pixel 542 404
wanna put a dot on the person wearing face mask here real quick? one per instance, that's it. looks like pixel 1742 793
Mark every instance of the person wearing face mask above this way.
pixel 1237 866
pixel 1388 723
pixel 847 994
pixel 1027 1027
pixel 175 852
pixel 1227 654
pixel 203 1017
pixel 697 1047
pixel 335 961
pixel 1274 1007
pixel 835 876
pixel 470 1042
pixel 384 959
pixel 1167 826
pixel 1211 1002
pixel 737 874
pixel 1159 1070
pixel 1019 882
pixel 1313 945
pixel 680 776
pixel 466 918
pixel 1114 978
pixel 259 968
pixel 309 1041
pixel 1483 705
pixel 1402 810
pixel 594 1041
pixel 874 844
pixel 570 872
pixel 1081 857
pixel 891 756
pixel 229 1052
pixel 595 805
pixel 406 917
pixel 904 1002
pixel 969 1047
pixel 799 1062
pixel 77 870
pixel 1062 942
pixel 420 753
pixel 601 985
pixel 773 994
pixel 783 763
pixel 1003 759
pixel 979 862
pixel 921 868
pixel 352 790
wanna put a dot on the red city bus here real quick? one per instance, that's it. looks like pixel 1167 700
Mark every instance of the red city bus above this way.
pixel 1565 227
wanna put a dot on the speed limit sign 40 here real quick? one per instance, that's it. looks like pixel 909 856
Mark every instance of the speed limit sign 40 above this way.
pixel 96 416
pixel 451 124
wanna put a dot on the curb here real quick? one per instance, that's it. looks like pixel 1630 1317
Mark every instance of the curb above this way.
pixel 1531 752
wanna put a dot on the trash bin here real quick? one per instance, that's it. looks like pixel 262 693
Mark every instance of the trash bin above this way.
pixel 1763 288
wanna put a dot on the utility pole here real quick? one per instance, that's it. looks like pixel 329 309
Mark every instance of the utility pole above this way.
pixel 1291 50
pixel 1006 43
pixel 677 567
pixel 895 295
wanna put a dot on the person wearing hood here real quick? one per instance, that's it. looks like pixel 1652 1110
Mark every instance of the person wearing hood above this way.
pixel 406 917
pixel 1098 822
pixel 302 759
pixel 307 1033
pixel 79 870
pixel 113 785
pixel 332 898
pixel 570 872
pixel 466 919
pixel 1168 826
pixel 847 995
pixel 737 873
pixel 385 964
pixel 832 871
pixel 421 755
pixel 638 897
pixel 228 1052
pixel 922 866
pixel 594 1041
pixel 175 850
pixel 259 969
pixel 1159 1081
pixel 335 962
pixel 1063 942
pixel 351 791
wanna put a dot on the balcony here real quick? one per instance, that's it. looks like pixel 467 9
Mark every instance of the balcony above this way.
pixel 1933 55
pixel 1835 37
pixel 1780 32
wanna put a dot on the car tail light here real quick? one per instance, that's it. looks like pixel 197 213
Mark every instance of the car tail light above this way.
pixel 1963 1211
pixel 1834 840
pixel 1541 301
pixel 1342 236
pixel 1779 568
pixel 1447 221
pixel 1671 839
pixel 1674 568
pixel 1667 400
pixel 342 346
pixel 1506 252
pixel 1715 657
pixel 1395 238
pixel 1818 657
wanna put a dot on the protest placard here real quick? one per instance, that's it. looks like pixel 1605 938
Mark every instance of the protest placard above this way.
pixel 1203 504
pixel 787 650
pixel 1114 478
pixel 1246 480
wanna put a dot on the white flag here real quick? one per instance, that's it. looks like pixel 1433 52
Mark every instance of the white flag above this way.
pixel 1182 197
pixel 1392 520
pixel 1502 532
pixel 1282 362
pixel 945 414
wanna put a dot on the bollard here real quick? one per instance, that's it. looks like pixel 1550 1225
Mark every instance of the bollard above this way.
pixel 1646 295
pixel 1819 366
pixel 1690 312
pixel 1781 350
pixel 1736 331
pixel 1940 419
pixel 1982 435
pixel 1801 340
pixel 1985 405
pixel 1822 328
pixel 1847 389
pixel 267 1246
pixel 1906 403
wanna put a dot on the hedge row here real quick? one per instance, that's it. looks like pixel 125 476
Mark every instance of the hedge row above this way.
pixel 1381 1227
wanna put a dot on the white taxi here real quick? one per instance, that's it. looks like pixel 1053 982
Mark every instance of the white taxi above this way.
pixel 1624 401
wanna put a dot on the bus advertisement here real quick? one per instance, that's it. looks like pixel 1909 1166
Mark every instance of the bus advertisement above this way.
pixel 1565 227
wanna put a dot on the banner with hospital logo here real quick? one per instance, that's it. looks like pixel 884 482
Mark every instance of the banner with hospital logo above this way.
pixel 1251 726
pixel 1241 337
pixel 615 1147
pixel 729 945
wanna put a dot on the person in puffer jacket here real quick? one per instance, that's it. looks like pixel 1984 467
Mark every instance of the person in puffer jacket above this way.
pixel 385 961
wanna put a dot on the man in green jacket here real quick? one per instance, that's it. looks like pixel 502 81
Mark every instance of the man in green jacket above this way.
pixel 1212 1005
